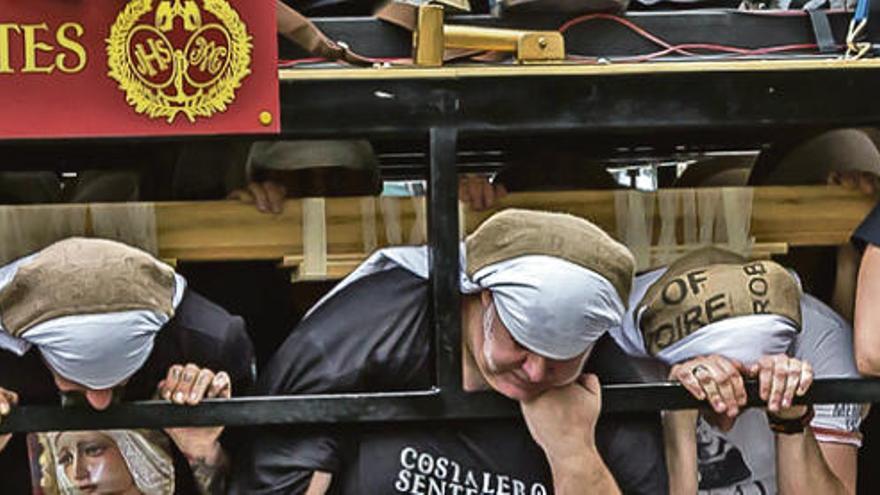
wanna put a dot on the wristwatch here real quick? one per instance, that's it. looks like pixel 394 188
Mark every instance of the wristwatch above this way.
pixel 791 426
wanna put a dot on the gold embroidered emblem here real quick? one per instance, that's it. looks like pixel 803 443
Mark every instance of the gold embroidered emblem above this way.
pixel 183 57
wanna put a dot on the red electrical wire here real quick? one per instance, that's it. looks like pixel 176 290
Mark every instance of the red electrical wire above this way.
pixel 625 22
pixel 784 48
pixel 312 60
pixel 297 61
pixel 738 52
pixel 685 49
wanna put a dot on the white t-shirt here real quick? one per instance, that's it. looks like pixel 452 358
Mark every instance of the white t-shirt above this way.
pixel 743 460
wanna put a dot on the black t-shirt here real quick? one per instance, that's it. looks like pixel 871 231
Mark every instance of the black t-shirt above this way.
pixel 200 332
pixel 868 231
pixel 375 336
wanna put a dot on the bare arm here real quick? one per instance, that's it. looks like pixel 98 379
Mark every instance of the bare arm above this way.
pixel 867 319
pixel 562 422
pixel 320 483
pixel 802 467
pixel 8 400
pixel 843 460
pixel 200 445
pixel 680 439
pixel 584 473
pixel 716 380
pixel 843 299
pixel 285 18
pixel 843 296
pixel 210 471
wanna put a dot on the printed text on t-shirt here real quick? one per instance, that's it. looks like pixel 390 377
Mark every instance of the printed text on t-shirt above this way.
pixel 424 474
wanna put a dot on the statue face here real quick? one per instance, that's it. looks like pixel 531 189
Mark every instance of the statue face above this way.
pixel 92 462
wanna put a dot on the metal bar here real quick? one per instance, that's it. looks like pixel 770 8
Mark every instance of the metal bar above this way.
pixel 708 110
pixel 714 109
pixel 444 255
pixel 482 38
pixel 429 405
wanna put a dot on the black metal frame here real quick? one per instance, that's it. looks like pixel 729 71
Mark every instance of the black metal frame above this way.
pixel 671 110
pixel 445 401
pixel 430 405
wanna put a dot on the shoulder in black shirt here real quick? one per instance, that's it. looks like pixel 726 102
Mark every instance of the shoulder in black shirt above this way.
pixel 375 336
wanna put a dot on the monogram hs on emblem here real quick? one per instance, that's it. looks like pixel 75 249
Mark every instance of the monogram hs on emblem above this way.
pixel 179 57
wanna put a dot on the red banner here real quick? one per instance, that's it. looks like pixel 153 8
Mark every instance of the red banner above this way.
pixel 89 68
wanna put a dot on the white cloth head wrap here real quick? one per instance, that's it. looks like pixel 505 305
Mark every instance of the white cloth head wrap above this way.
pixel 744 338
pixel 149 464
pixel 551 306
pixel 80 348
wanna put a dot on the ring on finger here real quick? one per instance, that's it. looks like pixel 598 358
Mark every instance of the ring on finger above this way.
pixel 699 367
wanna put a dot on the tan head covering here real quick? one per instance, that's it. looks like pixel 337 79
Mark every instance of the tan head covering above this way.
pixel 557 281
pixel 515 232
pixel 710 285
pixel 84 276
pixel 91 307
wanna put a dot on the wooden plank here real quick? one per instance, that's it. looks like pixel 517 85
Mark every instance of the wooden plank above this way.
pixel 796 216
pixel 337 267
pixel 227 230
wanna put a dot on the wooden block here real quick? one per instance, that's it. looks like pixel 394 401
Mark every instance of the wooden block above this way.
pixel 314 228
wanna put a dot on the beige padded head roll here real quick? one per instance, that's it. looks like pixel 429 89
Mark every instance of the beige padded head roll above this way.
pixel 515 232
pixel 710 285
pixel 85 276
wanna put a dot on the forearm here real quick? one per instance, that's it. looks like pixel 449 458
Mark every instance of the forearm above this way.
pixel 866 338
pixel 320 483
pixel 210 468
pixel 582 473
pixel 679 437
pixel 801 467
pixel 843 298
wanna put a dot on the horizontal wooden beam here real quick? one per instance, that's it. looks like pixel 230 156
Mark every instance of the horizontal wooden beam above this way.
pixel 796 216
pixel 227 230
